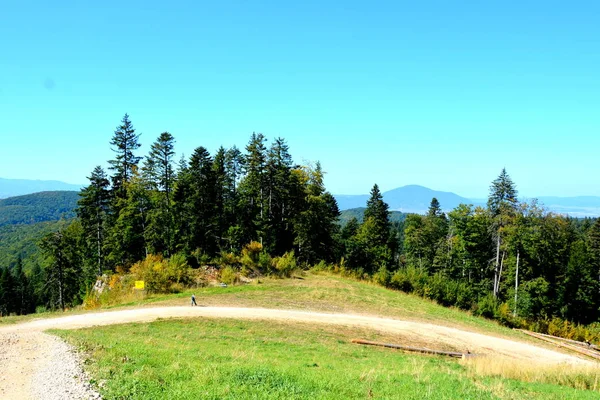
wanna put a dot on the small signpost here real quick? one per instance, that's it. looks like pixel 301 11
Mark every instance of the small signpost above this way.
pixel 139 285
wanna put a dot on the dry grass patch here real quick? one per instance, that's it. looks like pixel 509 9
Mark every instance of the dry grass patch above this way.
pixel 582 377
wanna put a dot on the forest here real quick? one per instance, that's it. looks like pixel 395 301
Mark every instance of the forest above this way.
pixel 256 212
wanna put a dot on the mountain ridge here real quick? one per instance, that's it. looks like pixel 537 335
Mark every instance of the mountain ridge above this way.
pixel 19 187
pixel 416 199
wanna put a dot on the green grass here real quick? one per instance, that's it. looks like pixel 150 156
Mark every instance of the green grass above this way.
pixel 223 359
pixel 319 292
pixel 335 294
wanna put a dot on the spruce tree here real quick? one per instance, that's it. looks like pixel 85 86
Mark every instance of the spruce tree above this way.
pixel 92 210
pixel 503 194
pixel 378 211
pixel 160 176
pixel 124 142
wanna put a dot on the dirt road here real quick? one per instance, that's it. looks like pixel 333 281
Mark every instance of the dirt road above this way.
pixel 24 347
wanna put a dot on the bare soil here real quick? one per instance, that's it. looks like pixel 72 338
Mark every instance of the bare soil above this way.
pixel 24 348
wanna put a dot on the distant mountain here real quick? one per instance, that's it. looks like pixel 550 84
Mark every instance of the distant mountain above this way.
pixel 38 207
pixel 18 187
pixel 407 199
pixel 359 214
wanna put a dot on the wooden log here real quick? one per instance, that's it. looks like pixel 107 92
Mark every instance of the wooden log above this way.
pixel 575 342
pixel 577 349
pixel 414 349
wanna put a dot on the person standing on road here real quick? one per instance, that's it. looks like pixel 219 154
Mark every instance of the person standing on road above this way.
pixel 194 300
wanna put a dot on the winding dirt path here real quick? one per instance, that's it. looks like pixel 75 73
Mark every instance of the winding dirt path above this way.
pixel 23 353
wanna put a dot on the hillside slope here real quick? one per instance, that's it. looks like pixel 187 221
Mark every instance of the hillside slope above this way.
pixel 359 213
pixel 38 207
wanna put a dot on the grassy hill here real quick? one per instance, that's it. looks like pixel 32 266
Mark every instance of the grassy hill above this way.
pixel 38 207
pixel 228 359
pixel 359 213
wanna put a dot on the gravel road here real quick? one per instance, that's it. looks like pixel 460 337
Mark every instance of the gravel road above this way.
pixel 35 365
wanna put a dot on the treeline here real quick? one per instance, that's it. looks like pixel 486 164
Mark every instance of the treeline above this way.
pixel 256 211
pixel 198 209
pixel 511 261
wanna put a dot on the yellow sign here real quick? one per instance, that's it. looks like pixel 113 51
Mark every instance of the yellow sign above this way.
pixel 139 285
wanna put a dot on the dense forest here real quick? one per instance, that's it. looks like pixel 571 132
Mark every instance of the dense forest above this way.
pixel 38 207
pixel 509 260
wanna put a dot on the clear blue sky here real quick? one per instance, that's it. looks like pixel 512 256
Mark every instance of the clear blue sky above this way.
pixel 432 93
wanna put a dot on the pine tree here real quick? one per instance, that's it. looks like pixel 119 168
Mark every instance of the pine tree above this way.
pixel 315 227
pixel 63 265
pixel 124 142
pixel 159 174
pixel 503 194
pixel 253 191
pixel 378 210
pixel 593 239
pixel 195 202
pixel 22 291
pixel 7 292
pixel 92 210
pixel 502 205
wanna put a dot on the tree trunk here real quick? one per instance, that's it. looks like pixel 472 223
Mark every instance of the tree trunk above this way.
pixel 516 285
pixel 496 267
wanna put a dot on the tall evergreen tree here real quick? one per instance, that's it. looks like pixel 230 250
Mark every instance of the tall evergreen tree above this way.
pixel 160 175
pixel 503 194
pixel 195 199
pixel 252 189
pixel 63 266
pixel 502 205
pixel 316 227
pixel 7 292
pixel 378 210
pixel 124 142
pixel 92 210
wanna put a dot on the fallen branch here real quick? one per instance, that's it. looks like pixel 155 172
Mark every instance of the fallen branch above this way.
pixel 575 348
pixel 414 349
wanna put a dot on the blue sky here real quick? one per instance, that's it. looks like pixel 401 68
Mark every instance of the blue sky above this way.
pixel 442 94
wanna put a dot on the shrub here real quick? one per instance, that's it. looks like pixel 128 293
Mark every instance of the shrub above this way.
pixel 250 259
pixel 284 266
pixel 229 259
pixel 229 276
pixel 486 306
pixel 160 275
pixel 382 277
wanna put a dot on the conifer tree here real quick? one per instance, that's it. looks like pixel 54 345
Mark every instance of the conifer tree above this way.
pixel 124 142
pixel 92 210
pixel 378 210
pixel 160 176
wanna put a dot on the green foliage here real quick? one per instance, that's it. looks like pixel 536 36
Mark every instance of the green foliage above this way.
pixel 228 275
pixel 359 214
pixel 284 266
pixel 162 275
pixel 38 207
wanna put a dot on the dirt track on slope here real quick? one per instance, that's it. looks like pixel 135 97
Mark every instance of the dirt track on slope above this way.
pixel 21 356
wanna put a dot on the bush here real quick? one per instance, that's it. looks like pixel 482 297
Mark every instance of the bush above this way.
pixel 409 280
pixel 284 266
pixel 229 259
pixel 229 276
pixel 382 277
pixel 251 258
pixel 160 275
pixel 486 307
